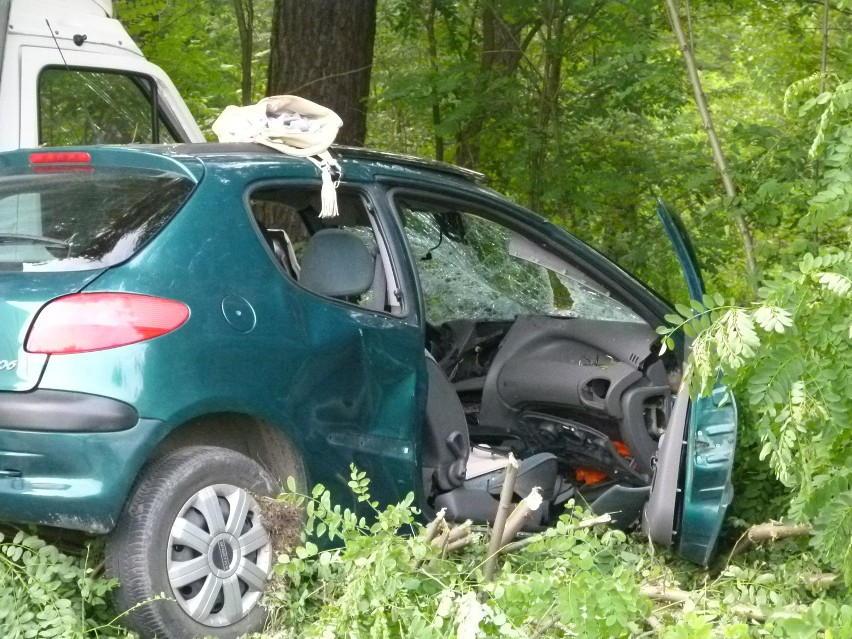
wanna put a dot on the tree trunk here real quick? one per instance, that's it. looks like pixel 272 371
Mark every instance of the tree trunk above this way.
pixel 244 10
pixel 502 50
pixel 322 50
pixel 715 145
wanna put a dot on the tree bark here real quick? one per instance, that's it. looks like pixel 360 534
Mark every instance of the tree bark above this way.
pixel 715 145
pixel 500 57
pixel 244 10
pixel 322 50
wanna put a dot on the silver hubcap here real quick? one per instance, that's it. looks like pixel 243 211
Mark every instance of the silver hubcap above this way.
pixel 219 555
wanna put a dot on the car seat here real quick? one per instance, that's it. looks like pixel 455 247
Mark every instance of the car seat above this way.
pixel 466 480
pixel 338 264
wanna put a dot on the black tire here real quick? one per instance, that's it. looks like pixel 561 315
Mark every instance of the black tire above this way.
pixel 183 489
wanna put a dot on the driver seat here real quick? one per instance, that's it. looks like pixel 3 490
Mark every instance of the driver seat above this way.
pixel 466 480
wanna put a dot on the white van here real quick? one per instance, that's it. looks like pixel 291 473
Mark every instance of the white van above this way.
pixel 71 75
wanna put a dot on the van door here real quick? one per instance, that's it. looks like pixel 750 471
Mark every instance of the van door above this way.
pixel 67 100
pixel 71 74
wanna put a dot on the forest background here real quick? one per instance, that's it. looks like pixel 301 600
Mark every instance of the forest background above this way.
pixel 582 110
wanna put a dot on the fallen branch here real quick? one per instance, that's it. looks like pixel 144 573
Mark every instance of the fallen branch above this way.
pixel 521 515
pixel 431 531
pixel 546 624
pixel 676 595
pixel 461 543
pixel 506 493
pixel 823 580
pixel 453 534
pixel 768 532
pixel 586 523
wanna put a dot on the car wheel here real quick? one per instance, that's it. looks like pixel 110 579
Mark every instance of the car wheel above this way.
pixel 192 531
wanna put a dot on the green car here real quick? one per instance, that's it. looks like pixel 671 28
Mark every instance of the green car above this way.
pixel 180 331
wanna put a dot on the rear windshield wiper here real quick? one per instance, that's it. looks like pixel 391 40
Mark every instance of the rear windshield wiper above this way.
pixel 20 238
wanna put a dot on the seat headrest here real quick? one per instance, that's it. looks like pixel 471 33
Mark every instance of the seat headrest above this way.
pixel 337 263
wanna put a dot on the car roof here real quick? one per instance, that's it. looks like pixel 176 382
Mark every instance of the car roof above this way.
pixel 372 160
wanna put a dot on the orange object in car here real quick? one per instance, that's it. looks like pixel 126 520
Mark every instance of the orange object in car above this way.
pixel 589 477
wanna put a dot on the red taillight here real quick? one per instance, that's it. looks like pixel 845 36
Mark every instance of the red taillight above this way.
pixel 59 157
pixel 95 321
pixel 61 162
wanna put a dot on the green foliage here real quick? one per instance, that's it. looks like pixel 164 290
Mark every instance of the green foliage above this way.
pixel 790 358
pixel 46 594
pixel 360 578
pixel 789 355
pixel 378 583
pixel 197 44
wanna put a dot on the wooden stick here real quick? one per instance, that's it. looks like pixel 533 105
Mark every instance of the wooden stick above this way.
pixel 453 534
pixel 521 515
pixel 586 523
pixel 715 145
pixel 431 531
pixel 506 493
pixel 676 595
pixel 768 532
pixel 824 580
pixel 461 543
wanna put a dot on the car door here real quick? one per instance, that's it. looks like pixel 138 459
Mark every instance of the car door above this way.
pixel 691 493
pixel 352 365
pixel 692 486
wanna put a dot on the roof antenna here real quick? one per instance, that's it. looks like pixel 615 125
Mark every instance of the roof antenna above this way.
pixel 82 105
pixel 56 42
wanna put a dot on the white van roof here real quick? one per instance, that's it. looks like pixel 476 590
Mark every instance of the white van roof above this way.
pixel 94 7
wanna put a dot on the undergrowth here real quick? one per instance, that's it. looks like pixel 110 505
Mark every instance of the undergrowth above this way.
pixel 45 593
pixel 359 577
pixel 380 577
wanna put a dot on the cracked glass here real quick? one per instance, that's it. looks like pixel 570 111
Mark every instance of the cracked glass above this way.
pixel 471 267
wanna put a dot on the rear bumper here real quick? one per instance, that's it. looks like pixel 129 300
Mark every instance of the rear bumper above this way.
pixel 52 411
pixel 69 477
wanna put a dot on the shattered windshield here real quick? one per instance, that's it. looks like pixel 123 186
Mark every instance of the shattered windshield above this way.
pixel 473 268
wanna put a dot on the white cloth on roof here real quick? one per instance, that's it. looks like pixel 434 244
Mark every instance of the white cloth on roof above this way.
pixel 291 125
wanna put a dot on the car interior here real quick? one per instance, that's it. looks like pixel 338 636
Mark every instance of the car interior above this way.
pixel 541 361
pixel 525 353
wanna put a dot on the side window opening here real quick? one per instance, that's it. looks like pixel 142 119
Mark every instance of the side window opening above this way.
pixel 78 106
pixel 472 267
pixel 336 249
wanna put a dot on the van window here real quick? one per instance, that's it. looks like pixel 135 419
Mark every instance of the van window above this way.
pixel 77 107
pixel 78 220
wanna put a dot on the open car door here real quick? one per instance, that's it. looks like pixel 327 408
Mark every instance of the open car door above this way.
pixel 691 488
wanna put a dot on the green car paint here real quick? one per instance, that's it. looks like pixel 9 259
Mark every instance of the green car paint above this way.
pixel 344 385
pixel 711 433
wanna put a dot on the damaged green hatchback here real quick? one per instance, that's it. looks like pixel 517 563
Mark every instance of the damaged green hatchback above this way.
pixel 180 331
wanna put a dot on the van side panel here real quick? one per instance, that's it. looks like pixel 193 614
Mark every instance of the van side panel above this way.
pixel 35 34
pixel 5 6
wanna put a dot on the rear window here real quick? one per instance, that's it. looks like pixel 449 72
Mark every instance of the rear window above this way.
pixel 83 219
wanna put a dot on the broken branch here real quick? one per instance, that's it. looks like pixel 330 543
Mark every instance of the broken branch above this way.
pixel 521 515
pixel 500 518
pixel 586 523
pixel 768 532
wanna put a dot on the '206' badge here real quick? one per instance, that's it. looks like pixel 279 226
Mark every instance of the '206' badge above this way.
pixel 8 364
